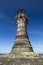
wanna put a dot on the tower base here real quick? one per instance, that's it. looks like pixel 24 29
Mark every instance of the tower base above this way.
pixel 30 58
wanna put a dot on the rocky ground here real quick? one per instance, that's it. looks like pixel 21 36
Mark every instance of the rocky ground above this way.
pixel 12 59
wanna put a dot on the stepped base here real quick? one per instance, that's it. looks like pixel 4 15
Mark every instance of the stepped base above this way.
pixel 21 59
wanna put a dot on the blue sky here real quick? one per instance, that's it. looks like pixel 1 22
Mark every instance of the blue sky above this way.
pixel 8 10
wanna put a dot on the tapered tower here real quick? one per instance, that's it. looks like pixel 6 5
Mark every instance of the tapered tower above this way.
pixel 22 52
pixel 22 42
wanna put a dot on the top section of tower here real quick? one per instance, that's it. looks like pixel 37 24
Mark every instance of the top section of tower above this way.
pixel 22 11
pixel 22 15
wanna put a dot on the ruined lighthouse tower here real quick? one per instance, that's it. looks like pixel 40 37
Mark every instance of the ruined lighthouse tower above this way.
pixel 22 51
pixel 22 43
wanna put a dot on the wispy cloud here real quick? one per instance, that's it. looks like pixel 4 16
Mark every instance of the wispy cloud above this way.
pixel 2 16
pixel 36 32
pixel 37 46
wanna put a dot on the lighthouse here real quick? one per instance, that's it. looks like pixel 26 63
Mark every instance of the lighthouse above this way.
pixel 22 42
